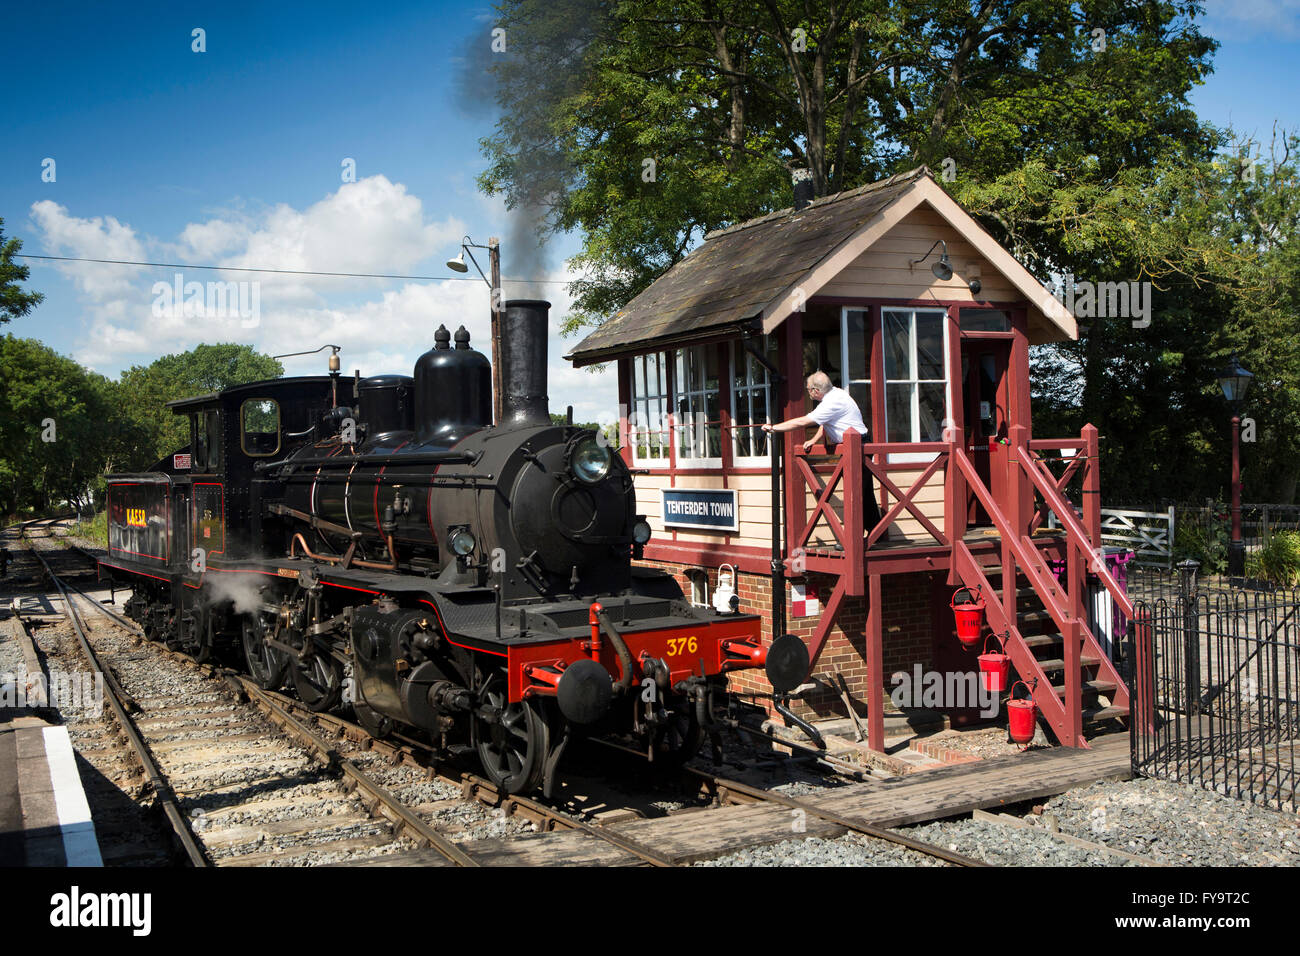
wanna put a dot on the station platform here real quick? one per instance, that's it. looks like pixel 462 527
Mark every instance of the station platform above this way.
pixel 44 816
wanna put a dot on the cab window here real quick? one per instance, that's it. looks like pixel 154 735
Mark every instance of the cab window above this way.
pixel 213 424
pixel 199 428
pixel 260 427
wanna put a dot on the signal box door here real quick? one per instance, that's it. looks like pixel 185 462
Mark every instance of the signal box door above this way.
pixel 986 399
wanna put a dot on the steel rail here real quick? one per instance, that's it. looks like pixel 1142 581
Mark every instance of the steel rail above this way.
pixel 858 826
pixel 162 789
pixel 303 733
pixel 471 783
pixel 628 845
pixel 277 708
pixel 333 758
pixel 830 816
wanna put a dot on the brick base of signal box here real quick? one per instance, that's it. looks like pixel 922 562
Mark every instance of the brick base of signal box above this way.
pixel 917 624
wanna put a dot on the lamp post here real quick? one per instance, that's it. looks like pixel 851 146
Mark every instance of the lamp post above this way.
pixel 494 267
pixel 1235 382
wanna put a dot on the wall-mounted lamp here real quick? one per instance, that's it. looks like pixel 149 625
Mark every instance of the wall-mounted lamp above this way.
pixel 941 269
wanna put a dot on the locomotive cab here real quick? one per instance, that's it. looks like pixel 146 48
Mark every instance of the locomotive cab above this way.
pixel 230 432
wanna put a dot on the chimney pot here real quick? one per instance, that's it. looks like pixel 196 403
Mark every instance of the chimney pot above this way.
pixel 803 188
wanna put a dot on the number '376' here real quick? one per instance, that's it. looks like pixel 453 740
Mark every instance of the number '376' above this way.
pixel 682 645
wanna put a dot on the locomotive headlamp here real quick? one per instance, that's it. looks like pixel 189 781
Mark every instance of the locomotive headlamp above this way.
pixel 589 460
pixel 462 542
pixel 641 532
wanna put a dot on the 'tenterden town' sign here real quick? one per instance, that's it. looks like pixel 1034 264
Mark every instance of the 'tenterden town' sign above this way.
pixel 704 509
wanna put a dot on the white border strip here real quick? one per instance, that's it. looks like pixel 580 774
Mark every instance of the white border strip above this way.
pixel 80 845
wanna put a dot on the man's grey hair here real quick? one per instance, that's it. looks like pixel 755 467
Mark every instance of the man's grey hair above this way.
pixel 820 381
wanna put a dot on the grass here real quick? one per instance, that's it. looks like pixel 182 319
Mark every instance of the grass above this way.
pixel 1278 561
pixel 94 530
pixel 1208 546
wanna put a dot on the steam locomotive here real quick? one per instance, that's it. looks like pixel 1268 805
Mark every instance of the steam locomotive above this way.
pixel 401 555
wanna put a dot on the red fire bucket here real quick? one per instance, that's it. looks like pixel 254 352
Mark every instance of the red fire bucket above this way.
pixel 1022 715
pixel 995 668
pixel 969 616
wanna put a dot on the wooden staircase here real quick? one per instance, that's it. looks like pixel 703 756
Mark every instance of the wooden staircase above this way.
pixel 1041 619
pixel 1099 683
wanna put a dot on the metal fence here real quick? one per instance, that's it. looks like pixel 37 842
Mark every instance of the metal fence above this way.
pixel 1215 680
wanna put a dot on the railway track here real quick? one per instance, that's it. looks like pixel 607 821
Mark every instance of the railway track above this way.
pixel 250 795
pixel 344 747
pixel 295 721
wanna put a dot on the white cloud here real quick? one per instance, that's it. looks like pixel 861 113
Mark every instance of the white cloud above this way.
pixel 368 226
pixel 1249 19
pixel 382 326
pixel 100 238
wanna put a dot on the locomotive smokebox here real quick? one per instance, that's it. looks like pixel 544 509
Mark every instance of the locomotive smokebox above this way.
pixel 523 362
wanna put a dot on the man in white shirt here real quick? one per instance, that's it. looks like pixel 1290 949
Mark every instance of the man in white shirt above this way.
pixel 836 412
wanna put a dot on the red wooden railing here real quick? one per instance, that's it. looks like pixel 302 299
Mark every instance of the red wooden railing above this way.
pixel 1016 518
pixel 856 459
pixel 854 540
pixel 1065 602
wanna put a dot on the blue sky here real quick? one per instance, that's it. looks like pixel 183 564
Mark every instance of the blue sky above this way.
pixel 234 156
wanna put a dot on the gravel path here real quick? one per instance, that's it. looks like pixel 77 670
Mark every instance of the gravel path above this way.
pixel 852 849
pixel 1168 823
pixel 1179 824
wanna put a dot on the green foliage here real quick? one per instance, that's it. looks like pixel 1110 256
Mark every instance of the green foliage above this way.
pixel 145 390
pixel 1226 279
pixel 1278 561
pixel 1051 142
pixel 56 426
pixel 94 530
pixel 1207 544
pixel 14 302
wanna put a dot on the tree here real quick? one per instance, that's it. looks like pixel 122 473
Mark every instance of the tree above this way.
pixel 14 302
pixel 1258 215
pixel 645 124
pixel 55 426
pixel 145 390
pixel 1227 281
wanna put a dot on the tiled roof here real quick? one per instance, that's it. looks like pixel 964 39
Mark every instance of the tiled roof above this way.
pixel 737 272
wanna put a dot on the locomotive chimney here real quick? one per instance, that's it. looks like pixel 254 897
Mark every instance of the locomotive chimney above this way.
pixel 523 362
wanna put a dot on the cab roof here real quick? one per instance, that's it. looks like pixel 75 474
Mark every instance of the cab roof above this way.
pixel 270 386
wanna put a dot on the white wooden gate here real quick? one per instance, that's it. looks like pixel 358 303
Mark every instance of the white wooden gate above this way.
pixel 1149 534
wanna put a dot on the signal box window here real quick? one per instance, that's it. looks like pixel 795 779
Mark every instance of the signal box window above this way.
pixel 751 400
pixel 916 374
pixel 260 427
pixel 697 399
pixel 648 424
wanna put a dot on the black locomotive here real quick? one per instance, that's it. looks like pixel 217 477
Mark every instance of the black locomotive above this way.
pixel 401 554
